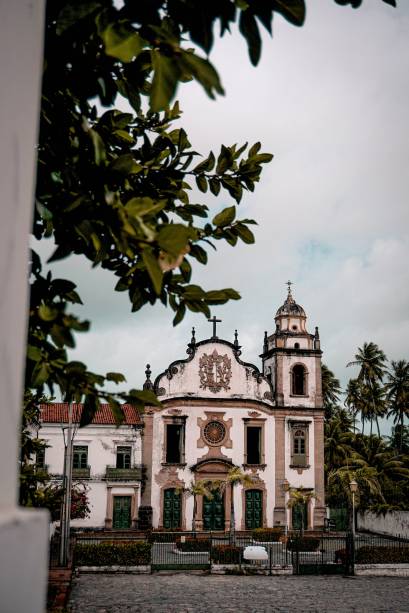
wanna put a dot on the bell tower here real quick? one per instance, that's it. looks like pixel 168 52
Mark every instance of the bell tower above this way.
pixel 292 358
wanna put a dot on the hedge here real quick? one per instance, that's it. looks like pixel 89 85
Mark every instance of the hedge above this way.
pixel 193 544
pixel 108 554
pixel 162 536
pixel 227 554
pixel 382 555
pixel 305 543
pixel 267 535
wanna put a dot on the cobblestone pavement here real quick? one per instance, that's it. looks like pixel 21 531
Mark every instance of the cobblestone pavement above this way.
pixel 189 593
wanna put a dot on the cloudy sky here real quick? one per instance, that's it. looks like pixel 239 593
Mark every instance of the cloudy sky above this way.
pixel 330 101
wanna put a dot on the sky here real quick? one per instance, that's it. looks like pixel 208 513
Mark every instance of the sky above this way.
pixel 330 101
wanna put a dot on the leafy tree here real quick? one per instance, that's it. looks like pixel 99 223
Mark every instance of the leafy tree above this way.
pixel 397 392
pixel 331 390
pixel 372 368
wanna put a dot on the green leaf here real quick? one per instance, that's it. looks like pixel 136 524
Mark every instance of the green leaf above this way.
pixel 121 41
pixel 43 211
pixel 254 149
pixel 249 28
pixel 99 147
pixel 72 13
pixel 116 377
pixel 47 313
pixel 207 165
pixel 144 396
pixel 203 72
pixel 174 238
pixel 139 207
pixel 153 269
pixel 180 313
pixel 245 234
pixel 126 165
pixel 164 82
pixel 225 160
pixel 214 186
pixel 292 10
pixel 199 253
pixel 41 373
pixel 201 183
pixel 33 353
pixel 225 217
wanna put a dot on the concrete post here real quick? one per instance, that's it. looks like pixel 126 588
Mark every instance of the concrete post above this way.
pixel 23 532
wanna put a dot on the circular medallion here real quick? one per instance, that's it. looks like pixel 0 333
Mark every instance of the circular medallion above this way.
pixel 214 432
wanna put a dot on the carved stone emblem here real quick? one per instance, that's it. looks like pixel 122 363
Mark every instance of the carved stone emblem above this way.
pixel 215 372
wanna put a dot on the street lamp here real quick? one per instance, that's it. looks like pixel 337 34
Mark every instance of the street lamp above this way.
pixel 286 486
pixel 353 486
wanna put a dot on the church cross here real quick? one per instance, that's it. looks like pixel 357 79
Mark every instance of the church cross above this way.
pixel 214 321
pixel 289 283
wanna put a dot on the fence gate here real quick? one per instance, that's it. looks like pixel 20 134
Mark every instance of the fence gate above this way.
pixel 170 551
pixel 322 555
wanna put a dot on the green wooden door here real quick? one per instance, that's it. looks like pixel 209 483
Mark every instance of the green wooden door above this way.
pixel 300 517
pixel 122 512
pixel 213 512
pixel 254 509
pixel 171 509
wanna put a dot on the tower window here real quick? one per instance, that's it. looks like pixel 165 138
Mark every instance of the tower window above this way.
pixel 253 445
pixel 294 327
pixel 299 446
pixel 299 380
pixel 296 345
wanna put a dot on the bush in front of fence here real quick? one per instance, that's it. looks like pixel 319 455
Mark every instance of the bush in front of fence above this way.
pixel 267 535
pixel 192 544
pixel 382 555
pixel 108 554
pixel 340 556
pixel 227 554
pixel 160 535
pixel 303 543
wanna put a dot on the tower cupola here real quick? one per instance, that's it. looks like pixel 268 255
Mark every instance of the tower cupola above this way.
pixel 290 317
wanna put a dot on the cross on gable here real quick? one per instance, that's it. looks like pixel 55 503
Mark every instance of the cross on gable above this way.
pixel 214 321
pixel 289 283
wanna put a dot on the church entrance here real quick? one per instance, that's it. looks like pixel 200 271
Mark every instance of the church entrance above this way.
pixel 122 512
pixel 213 512
pixel 171 509
pixel 254 509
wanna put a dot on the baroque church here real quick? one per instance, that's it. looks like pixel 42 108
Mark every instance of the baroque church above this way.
pixel 218 411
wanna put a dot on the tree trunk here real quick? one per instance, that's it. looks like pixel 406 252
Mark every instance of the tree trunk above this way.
pixel 194 515
pixel 232 518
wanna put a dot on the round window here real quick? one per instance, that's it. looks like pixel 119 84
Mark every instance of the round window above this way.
pixel 294 327
pixel 214 432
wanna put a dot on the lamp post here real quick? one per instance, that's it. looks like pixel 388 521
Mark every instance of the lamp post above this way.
pixel 286 487
pixel 67 485
pixel 353 486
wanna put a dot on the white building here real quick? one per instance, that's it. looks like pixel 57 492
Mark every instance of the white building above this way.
pixel 219 411
pixel 107 458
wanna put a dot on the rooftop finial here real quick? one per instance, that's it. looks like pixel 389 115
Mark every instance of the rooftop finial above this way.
pixel 289 283
pixel 148 385
pixel 193 339
pixel 236 339
pixel 214 321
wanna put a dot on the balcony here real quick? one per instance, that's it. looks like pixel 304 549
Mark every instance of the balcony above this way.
pixel 81 473
pixel 123 474
pixel 299 460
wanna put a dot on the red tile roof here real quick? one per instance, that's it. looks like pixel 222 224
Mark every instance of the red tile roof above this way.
pixel 57 412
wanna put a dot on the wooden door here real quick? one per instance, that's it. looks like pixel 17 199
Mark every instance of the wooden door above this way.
pixel 122 512
pixel 254 509
pixel 213 512
pixel 171 509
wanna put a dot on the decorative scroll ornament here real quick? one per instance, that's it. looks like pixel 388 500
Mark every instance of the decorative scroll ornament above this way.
pixel 215 372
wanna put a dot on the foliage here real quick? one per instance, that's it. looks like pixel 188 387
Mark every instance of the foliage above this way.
pixel 382 555
pixel 109 554
pixel 193 544
pixel 227 554
pixel 303 543
pixel 161 535
pixel 267 535
pixel 195 489
pixel 397 394
pixel 331 390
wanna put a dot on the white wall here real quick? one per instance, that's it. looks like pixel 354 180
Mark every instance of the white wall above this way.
pixel 394 523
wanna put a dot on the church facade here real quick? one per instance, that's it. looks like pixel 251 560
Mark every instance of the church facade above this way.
pixel 219 411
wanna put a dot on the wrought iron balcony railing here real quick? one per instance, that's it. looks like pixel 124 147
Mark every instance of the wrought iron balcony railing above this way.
pixel 124 474
pixel 81 473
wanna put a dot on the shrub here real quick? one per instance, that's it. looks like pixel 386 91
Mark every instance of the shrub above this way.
pixel 108 554
pixel 303 543
pixel 340 556
pixel 227 554
pixel 267 535
pixel 193 544
pixel 382 555
pixel 162 536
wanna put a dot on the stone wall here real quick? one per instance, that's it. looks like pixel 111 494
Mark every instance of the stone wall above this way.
pixel 394 523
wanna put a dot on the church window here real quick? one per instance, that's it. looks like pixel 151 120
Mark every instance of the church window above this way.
pixel 296 345
pixel 299 446
pixel 299 380
pixel 174 443
pixel 214 432
pixel 80 456
pixel 294 327
pixel 123 457
pixel 253 445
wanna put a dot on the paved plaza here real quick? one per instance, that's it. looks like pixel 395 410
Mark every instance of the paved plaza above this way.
pixel 190 593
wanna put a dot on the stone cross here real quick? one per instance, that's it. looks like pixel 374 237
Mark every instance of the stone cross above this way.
pixel 214 321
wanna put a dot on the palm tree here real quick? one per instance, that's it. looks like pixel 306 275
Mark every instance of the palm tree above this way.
pixel 353 400
pixel 397 393
pixel 234 477
pixel 195 489
pixel 337 444
pixel 371 361
pixel 369 487
pixel 300 497
pixel 331 390
pixel 373 452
